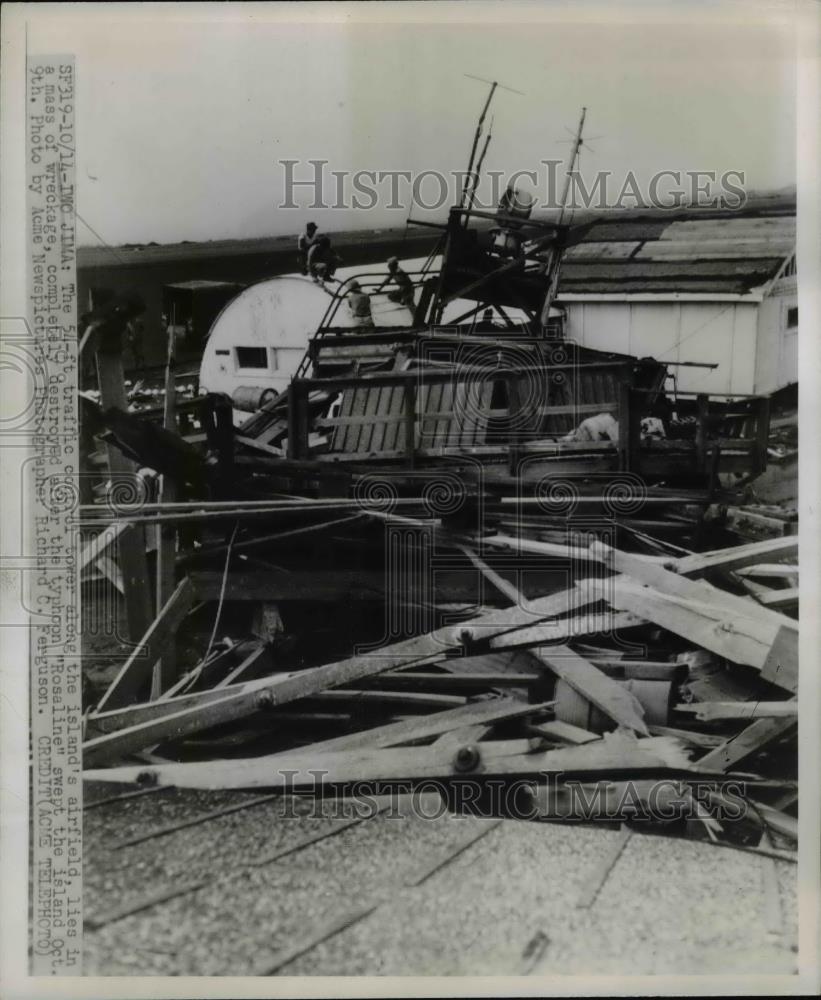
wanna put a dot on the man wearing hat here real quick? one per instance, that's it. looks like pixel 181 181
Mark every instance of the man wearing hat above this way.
pixel 304 244
pixel 404 286
pixel 359 303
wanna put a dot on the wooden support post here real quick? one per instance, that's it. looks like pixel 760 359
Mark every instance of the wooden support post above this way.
pixel 165 671
pixel 131 546
pixel 762 436
pixel 298 420
pixel 702 408
pixel 293 447
pixel 633 429
pixel 626 457
pixel 410 421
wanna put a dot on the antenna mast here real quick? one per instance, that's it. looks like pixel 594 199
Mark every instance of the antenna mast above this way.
pixel 577 145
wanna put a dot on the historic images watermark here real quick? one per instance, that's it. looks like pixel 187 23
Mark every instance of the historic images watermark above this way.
pixel 311 184
pixel 546 796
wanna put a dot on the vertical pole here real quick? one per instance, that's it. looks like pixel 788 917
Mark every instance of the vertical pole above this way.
pixel 762 434
pixel 410 420
pixel 514 432
pixel 292 445
pixel 629 427
pixel 131 544
pixel 165 670
pixel 297 420
pixel 702 409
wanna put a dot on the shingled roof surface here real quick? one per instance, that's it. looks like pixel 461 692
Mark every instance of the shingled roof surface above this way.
pixel 688 252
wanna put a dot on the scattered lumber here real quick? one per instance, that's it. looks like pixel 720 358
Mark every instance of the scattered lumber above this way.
pixel 473 695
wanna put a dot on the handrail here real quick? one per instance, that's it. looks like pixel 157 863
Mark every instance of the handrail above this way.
pixel 367 279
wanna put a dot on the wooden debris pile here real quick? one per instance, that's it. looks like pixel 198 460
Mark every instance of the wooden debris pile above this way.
pixel 640 671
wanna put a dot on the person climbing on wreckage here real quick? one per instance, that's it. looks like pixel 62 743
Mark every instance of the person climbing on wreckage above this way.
pixel 403 294
pixel 359 305
pixel 323 260
pixel 304 243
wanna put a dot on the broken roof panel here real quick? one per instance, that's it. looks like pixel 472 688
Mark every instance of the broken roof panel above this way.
pixel 729 254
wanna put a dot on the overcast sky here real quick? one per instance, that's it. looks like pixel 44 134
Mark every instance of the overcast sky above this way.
pixel 182 118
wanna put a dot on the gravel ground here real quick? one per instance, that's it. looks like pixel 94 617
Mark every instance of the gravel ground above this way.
pixel 666 906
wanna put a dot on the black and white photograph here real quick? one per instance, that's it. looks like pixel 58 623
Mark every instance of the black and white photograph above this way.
pixel 404 537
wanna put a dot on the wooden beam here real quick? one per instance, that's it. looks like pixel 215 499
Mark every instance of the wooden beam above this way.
pixel 504 758
pixel 243 666
pixel 467 681
pixel 136 670
pixel 165 670
pixel 475 714
pixel 746 639
pixel 131 549
pixel 657 575
pixel 713 710
pixel 462 737
pixel 749 741
pixel 738 556
pixel 562 731
pixel 564 629
pixel 779 598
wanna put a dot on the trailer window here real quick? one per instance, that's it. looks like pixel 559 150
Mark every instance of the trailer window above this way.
pixel 252 357
pixel 792 317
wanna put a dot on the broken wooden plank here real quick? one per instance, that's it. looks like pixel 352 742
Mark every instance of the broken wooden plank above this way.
pixel 135 715
pixel 448 681
pixel 779 598
pixel 769 571
pixel 200 671
pixel 715 710
pixel 242 667
pixel 402 698
pixel 136 671
pixel 738 556
pixel 742 639
pixel 562 629
pixel 749 741
pixel 505 587
pixel 674 584
pixel 565 732
pixel 781 664
pixel 419 728
pixel 610 697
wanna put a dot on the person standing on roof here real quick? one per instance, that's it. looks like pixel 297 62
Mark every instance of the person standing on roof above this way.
pixel 322 260
pixel 359 304
pixel 304 244
pixel 404 286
